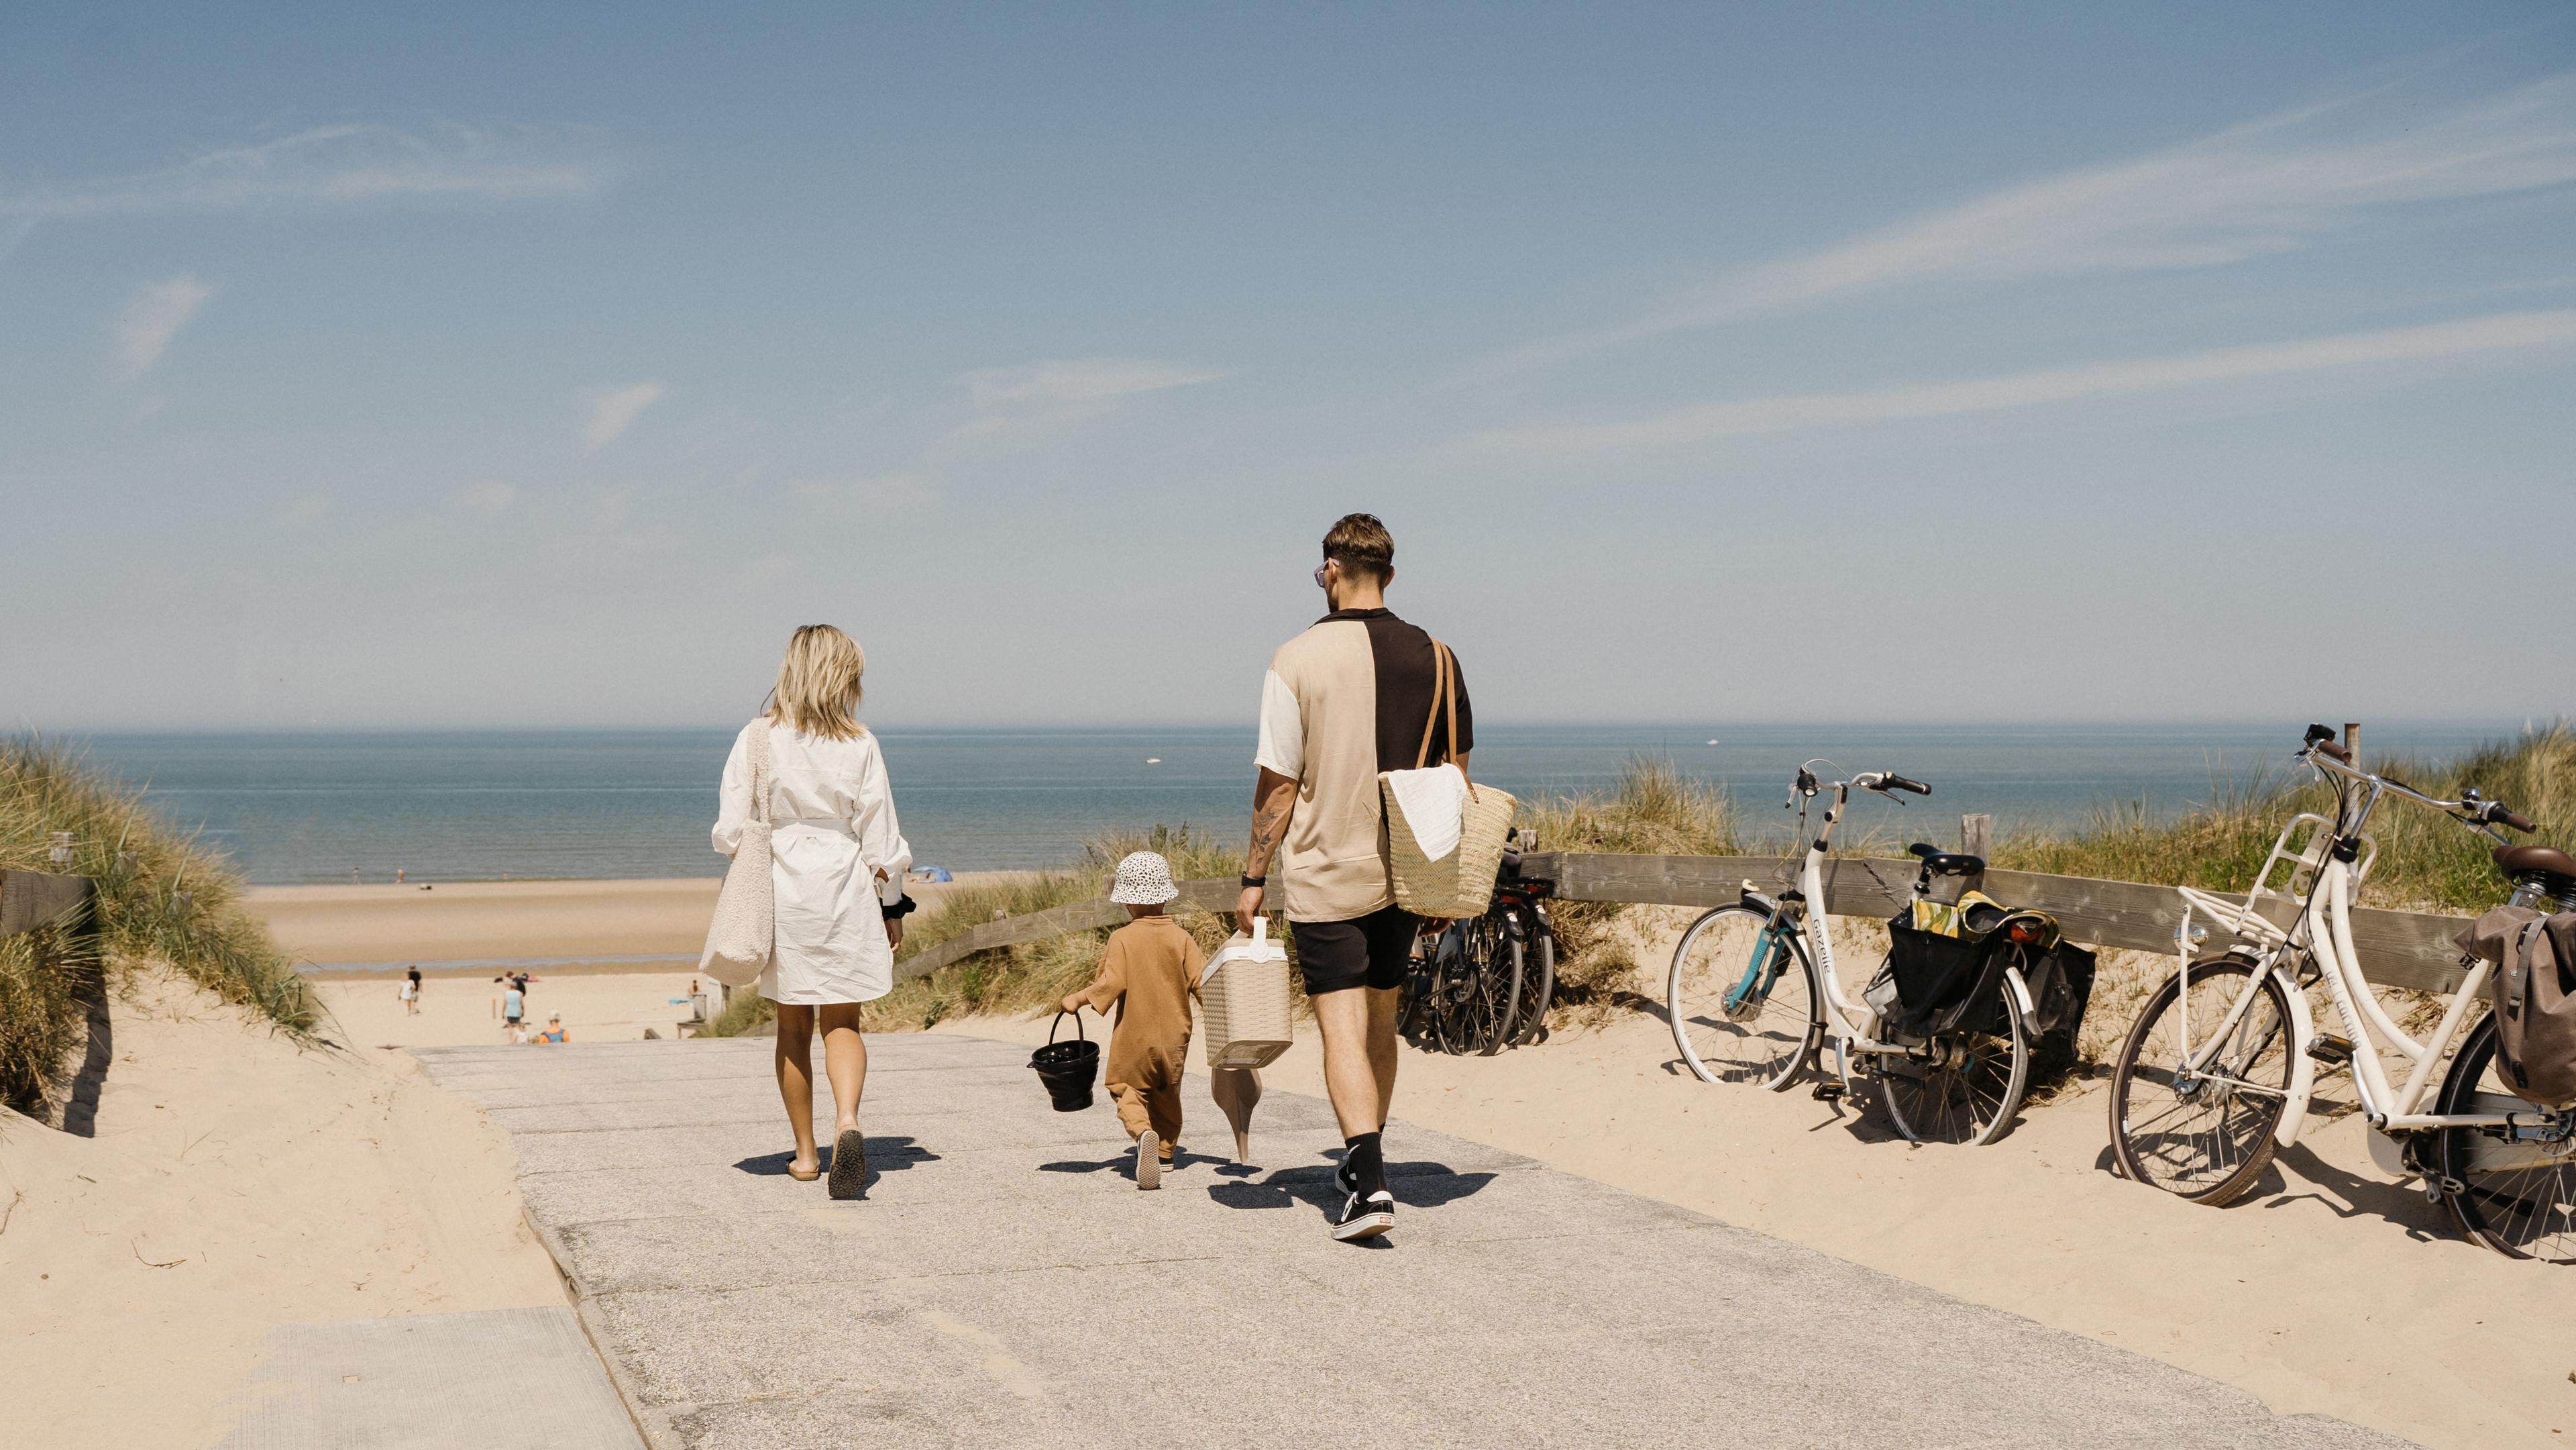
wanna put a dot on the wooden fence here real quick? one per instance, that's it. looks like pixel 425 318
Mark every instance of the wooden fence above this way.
pixel 2398 948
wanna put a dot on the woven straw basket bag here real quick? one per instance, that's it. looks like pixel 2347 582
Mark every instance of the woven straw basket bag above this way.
pixel 1243 1000
pixel 1460 883
pixel 738 940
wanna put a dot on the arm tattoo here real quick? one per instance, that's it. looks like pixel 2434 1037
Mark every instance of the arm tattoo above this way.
pixel 1270 810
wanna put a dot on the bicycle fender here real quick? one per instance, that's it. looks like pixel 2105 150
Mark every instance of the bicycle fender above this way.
pixel 2022 1004
pixel 2303 1068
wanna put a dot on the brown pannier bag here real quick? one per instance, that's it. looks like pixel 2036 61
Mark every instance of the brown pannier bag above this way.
pixel 2534 991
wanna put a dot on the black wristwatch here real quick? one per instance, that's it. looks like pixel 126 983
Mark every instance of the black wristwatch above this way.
pixel 1256 881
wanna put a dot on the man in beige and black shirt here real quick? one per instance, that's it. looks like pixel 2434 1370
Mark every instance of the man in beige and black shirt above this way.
pixel 1343 701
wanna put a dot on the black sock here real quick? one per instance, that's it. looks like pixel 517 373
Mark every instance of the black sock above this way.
pixel 1367 1169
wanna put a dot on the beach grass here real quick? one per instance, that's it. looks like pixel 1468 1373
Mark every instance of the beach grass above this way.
pixel 163 898
pixel 2425 864
pixel 1655 809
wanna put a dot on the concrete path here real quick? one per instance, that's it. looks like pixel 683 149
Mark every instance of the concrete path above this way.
pixel 500 1379
pixel 1005 1284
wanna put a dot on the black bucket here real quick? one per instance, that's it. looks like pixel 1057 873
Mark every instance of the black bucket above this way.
pixel 1067 1068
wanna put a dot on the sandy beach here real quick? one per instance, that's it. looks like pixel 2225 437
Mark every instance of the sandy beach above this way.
pixel 488 921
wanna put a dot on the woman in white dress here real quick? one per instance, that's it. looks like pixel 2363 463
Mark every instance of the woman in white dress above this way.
pixel 837 864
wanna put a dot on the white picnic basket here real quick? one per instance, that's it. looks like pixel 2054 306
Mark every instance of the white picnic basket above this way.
pixel 1243 1000
pixel 1459 882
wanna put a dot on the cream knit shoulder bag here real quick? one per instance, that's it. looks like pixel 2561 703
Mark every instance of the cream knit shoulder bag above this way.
pixel 738 940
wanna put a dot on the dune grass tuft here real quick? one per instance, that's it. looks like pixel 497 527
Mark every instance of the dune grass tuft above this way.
pixel 2425 862
pixel 1655 809
pixel 162 898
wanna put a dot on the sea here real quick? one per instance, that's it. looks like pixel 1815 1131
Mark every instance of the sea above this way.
pixel 321 806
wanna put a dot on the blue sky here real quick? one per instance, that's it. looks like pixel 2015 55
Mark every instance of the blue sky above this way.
pixel 460 365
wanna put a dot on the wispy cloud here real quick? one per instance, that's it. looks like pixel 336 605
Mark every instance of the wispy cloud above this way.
pixel 613 410
pixel 2271 186
pixel 346 163
pixel 1741 417
pixel 1066 390
pixel 153 316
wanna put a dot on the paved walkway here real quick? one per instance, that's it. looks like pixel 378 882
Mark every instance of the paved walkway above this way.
pixel 1005 1284
pixel 495 1379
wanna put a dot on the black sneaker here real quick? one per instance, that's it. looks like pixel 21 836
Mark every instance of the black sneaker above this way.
pixel 1365 1218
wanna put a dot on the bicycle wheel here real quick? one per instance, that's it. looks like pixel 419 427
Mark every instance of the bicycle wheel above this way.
pixel 1538 983
pixel 1477 987
pixel 2205 1135
pixel 1964 1087
pixel 1741 1000
pixel 2517 1198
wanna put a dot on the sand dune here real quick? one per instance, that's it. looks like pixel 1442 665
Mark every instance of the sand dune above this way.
pixel 238 1182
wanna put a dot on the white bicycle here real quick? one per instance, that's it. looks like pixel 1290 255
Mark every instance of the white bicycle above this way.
pixel 2216 1074
pixel 1753 993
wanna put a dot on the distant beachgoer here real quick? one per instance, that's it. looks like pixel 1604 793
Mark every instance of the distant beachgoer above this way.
pixel 837 864
pixel 554 1031
pixel 1150 973
pixel 1343 701
pixel 513 1007
pixel 411 992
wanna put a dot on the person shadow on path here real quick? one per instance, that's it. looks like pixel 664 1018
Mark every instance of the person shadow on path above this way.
pixel 1416 1184
pixel 1124 1163
pixel 890 1153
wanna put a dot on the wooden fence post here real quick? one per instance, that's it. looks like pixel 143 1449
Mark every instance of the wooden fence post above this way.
pixel 2352 742
pixel 1976 838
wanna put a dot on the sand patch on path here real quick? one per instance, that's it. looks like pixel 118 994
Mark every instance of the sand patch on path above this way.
pixel 237 1182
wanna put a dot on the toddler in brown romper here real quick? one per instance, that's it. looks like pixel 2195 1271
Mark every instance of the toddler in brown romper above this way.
pixel 1150 973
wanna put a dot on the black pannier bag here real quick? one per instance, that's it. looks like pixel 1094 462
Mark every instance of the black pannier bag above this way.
pixel 1942 981
pixel 2061 986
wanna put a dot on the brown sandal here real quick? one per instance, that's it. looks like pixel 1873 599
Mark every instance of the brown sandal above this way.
pixel 807 1175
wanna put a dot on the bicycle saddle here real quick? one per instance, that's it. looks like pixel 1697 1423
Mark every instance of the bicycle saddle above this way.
pixel 1947 863
pixel 2547 860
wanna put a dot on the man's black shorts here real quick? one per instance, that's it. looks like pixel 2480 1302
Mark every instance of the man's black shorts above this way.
pixel 1368 951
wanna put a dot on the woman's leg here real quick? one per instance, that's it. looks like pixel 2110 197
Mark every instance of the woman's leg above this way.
pixel 845 1058
pixel 796 1078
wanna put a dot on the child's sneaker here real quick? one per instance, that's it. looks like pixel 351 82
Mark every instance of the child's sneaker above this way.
pixel 1149 1160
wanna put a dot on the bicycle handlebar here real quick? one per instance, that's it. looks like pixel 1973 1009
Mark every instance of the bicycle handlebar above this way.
pixel 1898 782
pixel 2470 807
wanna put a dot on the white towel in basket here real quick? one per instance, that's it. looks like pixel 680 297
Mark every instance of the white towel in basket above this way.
pixel 1434 803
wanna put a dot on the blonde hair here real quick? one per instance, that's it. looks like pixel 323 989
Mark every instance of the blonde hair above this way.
pixel 818 684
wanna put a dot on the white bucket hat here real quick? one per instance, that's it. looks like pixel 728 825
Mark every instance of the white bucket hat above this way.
pixel 1144 879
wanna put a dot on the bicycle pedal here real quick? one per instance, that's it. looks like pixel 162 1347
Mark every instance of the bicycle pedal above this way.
pixel 1828 1091
pixel 2329 1048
